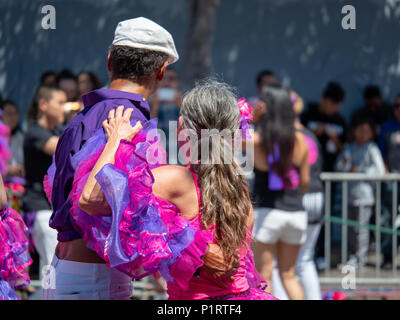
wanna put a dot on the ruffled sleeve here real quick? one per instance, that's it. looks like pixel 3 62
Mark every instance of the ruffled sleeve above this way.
pixel 145 233
pixel 5 151
pixel 14 255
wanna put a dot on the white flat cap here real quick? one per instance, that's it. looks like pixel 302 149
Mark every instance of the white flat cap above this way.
pixel 145 34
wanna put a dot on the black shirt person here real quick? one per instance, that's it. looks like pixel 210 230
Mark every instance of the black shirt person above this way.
pixel 327 124
pixel 40 142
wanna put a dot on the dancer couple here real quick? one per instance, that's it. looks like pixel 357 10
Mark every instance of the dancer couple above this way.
pixel 121 213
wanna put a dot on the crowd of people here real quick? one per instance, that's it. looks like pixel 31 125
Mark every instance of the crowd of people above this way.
pixel 66 171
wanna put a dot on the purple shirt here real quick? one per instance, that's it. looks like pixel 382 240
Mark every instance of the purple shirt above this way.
pixel 97 105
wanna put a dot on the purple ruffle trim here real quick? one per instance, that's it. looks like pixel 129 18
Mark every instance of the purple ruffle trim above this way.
pixel 6 292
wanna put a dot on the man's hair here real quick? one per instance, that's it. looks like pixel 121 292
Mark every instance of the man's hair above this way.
pixel 134 64
pixel 66 74
pixel 371 92
pixel 334 91
pixel 94 79
pixel 262 74
pixel 7 102
pixel 45 74
pixel 364 119
pixel 43 92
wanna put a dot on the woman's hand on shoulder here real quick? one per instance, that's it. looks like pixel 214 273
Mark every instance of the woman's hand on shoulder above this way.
pixel 118 125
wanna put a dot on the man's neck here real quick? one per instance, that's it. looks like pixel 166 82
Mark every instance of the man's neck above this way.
pixel 45 123
pixel 126 85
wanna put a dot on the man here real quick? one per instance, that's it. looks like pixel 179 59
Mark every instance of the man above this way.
pixel 375 108
pixel 137 60
pixel 68 82
pixel 265 78
pixel 40 142
pixel 389 144
pixel 165 104
pixel 327 124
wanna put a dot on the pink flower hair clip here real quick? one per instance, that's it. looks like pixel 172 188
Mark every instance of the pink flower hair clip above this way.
pixel 245 115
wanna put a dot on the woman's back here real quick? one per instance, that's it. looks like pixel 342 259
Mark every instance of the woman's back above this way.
pixel 205 285
pixel 273 191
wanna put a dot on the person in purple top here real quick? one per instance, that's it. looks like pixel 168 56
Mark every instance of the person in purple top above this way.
pixel 137 60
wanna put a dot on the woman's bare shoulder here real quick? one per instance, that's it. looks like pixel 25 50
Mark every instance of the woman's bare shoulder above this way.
pixel 171 179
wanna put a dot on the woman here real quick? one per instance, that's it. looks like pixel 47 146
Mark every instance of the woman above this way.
pixel 10 117
pixel 14 256
pixel 163 217
pixel 313 202
pixel 87 81
pixel 282 173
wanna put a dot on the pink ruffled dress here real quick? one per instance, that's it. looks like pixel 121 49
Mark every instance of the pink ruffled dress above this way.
pixel 14 255
pixel 145 235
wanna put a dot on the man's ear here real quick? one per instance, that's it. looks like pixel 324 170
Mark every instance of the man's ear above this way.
pixel 108 63
pixel 161 72
pixel 42 105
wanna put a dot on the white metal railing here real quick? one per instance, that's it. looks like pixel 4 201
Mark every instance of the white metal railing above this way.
pixel 344 179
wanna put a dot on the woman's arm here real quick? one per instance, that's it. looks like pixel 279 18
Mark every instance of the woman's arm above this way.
pixel 3 195
pixel 304 166
pixel 117 128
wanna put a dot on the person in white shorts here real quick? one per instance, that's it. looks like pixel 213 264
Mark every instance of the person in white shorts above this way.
pixel 313 202
pixel 282 174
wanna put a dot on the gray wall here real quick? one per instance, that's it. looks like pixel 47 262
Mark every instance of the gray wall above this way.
pixel 302 41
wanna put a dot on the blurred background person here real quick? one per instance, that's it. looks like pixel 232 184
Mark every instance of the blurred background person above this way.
pixel 389 144
pixel 87 81
pixel 389 139
pixel 45 113
pixel 14 181
pixel 68 82
pixel 282 174
pixel 48 78
pixel 166 102
pixel 71 109
pixel 10 117
pixel 263 78
pixel 362 156
pixel 313 202
pixel 377 110
pixel 325 121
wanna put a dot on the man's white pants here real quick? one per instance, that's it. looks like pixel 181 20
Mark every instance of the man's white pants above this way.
pixel 44 238
pixel 70 280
